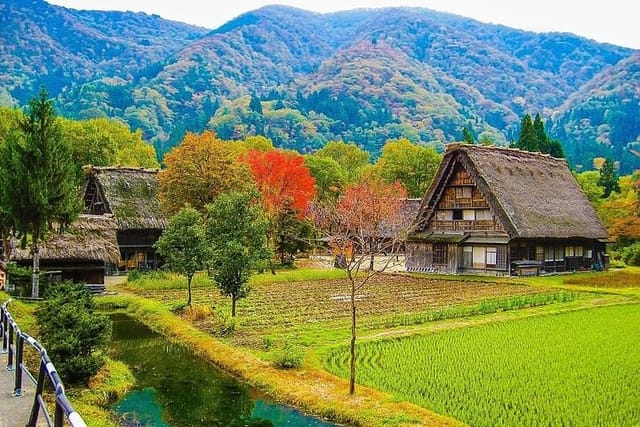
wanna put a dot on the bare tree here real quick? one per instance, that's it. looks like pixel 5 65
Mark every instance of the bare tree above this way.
pixel 366 222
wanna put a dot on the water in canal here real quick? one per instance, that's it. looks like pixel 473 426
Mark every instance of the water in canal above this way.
pixel 176 388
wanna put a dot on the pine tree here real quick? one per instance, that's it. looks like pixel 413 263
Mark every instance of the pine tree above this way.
pixel 467 135
pixel 255 105
pixel 527 140
pixel 542 141
pixel 40 180
pixel 608 179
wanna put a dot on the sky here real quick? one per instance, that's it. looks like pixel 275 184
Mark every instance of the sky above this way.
pixel 610 21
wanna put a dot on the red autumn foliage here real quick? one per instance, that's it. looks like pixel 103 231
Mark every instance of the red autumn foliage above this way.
pixel 281 177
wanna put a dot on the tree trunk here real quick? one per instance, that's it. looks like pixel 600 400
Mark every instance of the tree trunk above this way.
pixel 189 277
pixel 271 267
pixel 372 253
pixel 35 276
pixel 352 377
pixel 233 306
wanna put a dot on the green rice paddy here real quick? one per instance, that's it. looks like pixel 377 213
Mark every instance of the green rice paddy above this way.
pixel 579 368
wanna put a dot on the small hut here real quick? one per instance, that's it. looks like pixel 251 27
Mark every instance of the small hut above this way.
pixel 81 253
pixel 131 196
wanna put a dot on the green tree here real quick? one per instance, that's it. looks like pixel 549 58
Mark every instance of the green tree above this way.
pixel 72 333
pixel 183 244
pixel 527 140
pixel 541 138
pixel 350 157
pixel 291 234
pixel 255 105
pixel 40 182
pixel 329 175
pixel 467 135
pixel 236 228
pixel 608 179
pixel 411 164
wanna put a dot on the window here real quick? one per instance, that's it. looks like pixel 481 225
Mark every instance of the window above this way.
pixel 484 215
pixel 446 215
pixel 574 251
pixel 548 253
pixel 440 253
pixel 468 214
pixel 457 214
pixel 467 256
pixel 589 253
pixel 539 253
pixel 463 192
pixel 479 257
pixel 492 256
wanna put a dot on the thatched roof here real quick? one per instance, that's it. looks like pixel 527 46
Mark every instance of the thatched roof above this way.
pixel 90 238
pixel 534 195
pixel 131 195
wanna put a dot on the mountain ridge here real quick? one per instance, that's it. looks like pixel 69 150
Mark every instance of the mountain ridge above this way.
pixel 455 71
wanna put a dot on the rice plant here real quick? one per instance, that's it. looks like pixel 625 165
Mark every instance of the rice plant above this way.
pixel 578 368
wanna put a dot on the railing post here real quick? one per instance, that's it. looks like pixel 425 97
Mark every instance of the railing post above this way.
pixel 35 410
pixel 17 390
pixel 58 421
pixel 10 355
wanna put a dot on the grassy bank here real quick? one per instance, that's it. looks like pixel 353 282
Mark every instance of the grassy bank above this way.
pixel 311 390
pixel 105 388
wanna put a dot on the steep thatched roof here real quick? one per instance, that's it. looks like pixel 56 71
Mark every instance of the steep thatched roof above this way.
pixel 131 195
pixel 90 238
pixel 533 194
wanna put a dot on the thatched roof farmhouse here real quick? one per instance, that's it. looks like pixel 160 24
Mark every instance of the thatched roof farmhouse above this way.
pixel 80 253
pixel 501 210
pixel 131 196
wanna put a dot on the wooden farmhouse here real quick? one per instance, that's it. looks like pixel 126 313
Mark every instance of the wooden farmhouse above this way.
pixel 81 253
pixel 504 211
pixel 131 196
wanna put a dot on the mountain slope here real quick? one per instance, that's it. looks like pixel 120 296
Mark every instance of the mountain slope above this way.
pixel 363 76
pixel 602 119
pixel 57 47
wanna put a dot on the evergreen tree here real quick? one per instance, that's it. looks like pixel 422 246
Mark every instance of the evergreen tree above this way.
pixel 608 179
pixel 527 140
pixel 255 105
pixel 467 135
pixel 542 141
pixel 72 332
pixel 39 178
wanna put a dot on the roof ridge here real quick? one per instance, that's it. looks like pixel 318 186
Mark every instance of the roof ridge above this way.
pixel 454 146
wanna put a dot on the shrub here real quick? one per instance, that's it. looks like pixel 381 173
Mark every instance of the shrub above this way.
pixel 71 332
pixel 134 275
pixel 291 356
pixel 631 254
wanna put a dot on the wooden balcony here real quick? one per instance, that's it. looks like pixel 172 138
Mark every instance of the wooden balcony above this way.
pixel 465 225
pixel 463 203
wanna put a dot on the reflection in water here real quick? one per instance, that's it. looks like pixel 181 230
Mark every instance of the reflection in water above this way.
pixel 175 388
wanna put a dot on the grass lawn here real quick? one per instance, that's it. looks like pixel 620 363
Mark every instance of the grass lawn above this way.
pixel 578 368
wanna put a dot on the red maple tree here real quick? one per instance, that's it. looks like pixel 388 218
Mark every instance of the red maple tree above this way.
pixel 282 178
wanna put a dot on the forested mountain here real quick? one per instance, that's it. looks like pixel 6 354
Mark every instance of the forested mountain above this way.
pixel 304 78
pixel 603 117
pixel 60 48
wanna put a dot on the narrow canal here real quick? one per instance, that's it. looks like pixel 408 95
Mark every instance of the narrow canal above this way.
pixel 176 388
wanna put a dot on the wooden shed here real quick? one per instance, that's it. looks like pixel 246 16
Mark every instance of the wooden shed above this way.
pixel 81 253
pixel 504 211
pixel 131 196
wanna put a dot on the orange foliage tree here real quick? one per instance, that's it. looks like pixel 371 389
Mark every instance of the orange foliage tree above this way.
pixel 198 170
pixel 283 179
pixel 369 218
pixel 287 188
